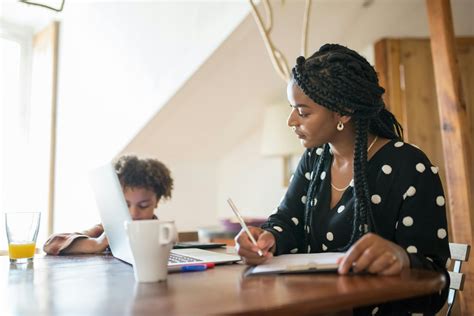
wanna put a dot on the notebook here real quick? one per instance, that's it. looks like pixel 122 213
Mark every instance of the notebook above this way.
pixel 114 212
pixel 298 263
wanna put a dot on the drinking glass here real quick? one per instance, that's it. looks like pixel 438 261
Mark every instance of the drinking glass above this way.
pixel 22 230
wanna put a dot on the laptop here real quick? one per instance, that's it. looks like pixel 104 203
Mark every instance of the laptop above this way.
pixel 114 212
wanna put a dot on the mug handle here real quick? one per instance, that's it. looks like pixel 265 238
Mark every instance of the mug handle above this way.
pixel 168 230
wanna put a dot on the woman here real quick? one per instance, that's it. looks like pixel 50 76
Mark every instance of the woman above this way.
pixel 144 182
pixel 358 187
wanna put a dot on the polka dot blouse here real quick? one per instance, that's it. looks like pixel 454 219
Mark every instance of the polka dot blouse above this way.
pixel 408 206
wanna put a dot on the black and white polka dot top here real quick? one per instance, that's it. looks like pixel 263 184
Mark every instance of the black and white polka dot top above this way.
pixel 408 206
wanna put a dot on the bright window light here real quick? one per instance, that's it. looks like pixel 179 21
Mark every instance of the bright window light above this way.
pixel 24 133
pixel 11 135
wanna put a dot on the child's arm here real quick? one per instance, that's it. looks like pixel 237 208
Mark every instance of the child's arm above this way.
pixel 87 245
pixel 92 240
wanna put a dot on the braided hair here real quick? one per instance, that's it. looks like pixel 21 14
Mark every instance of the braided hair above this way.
pixel 341 80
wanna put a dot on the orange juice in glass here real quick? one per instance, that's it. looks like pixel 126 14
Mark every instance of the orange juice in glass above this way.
pixel 22 230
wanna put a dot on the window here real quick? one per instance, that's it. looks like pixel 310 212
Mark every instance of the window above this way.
pixel 25 129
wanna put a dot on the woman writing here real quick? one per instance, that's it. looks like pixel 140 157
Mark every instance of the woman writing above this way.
pixel 144 183
pixel 358 188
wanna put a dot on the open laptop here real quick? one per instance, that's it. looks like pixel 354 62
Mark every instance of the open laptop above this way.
pixel 114 212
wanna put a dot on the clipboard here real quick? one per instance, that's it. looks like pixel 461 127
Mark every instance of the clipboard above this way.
pixel 298 263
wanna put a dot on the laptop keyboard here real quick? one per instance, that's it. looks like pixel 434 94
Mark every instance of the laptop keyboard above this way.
pixel 178 258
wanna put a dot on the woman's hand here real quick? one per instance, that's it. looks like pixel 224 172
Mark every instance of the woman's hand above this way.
pixel 248 251
pixel 374 254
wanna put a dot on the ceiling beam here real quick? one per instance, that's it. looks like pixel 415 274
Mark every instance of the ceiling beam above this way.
pixel 454 132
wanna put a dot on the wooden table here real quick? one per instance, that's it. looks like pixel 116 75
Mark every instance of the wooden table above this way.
pixel 103 285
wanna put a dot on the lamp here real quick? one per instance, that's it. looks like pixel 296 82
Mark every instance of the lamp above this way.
pixel 278 139
pixel 56 5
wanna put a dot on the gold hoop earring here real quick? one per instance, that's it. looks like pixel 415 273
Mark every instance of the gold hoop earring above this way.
pixel 340 126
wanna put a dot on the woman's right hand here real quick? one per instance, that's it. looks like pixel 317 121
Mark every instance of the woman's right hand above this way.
pixel 249 252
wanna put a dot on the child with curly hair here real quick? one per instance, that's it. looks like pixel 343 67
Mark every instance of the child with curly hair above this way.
pixel 144 183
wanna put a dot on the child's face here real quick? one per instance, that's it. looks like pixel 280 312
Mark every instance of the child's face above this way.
pixel 141 202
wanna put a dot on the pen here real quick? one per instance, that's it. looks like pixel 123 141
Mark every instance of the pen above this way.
pixel 244 226
pixel 192 268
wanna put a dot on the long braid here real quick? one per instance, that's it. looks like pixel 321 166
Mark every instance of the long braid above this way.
pixel 315 181
pixel 386 125
pixel 341 80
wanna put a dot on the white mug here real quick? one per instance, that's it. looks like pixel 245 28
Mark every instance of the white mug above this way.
pixel 151 242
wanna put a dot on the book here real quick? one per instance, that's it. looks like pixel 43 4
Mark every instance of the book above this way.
pixel 298 263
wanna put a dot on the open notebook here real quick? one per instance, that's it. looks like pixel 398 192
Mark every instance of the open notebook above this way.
pixel 299 263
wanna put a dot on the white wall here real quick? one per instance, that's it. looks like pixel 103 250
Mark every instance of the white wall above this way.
pixel 194 195
pixel 254 183
pixel 119 62
pixel 202 186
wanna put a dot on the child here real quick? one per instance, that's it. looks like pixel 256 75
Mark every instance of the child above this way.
pixel 144 183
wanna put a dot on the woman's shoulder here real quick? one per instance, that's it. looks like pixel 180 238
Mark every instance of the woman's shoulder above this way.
pixel 401 153
pixel 400 166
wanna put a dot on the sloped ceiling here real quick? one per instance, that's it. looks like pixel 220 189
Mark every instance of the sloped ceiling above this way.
pixel 224 100
pixel 218 106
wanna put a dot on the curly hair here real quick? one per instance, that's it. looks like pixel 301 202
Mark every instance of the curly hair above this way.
pixel 151 174
pixel 342 81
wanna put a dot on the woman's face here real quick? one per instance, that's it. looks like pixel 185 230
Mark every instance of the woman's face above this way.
pixel 141 202
pixel 314 124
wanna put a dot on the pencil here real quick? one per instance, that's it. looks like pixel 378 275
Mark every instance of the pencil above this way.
pixel 244 226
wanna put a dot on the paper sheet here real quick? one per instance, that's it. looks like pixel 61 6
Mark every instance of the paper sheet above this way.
pixel 326 261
